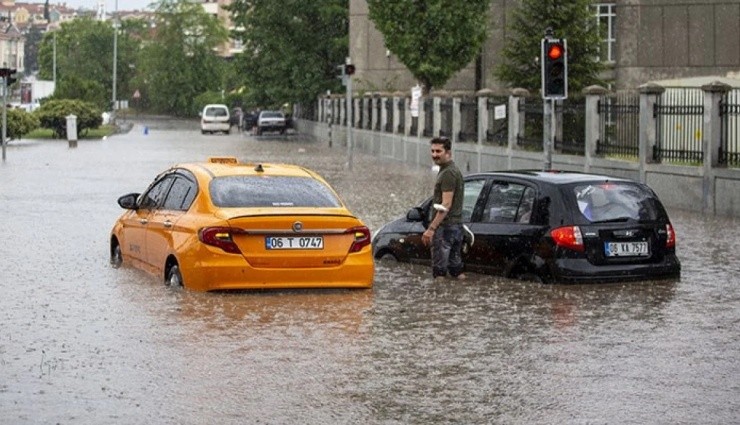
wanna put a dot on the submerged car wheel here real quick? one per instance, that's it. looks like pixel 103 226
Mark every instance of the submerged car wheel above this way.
pixel 116 257
pixel 174 277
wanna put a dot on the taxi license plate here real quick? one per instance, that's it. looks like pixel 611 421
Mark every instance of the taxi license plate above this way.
pixel 626 249
pixel 294 242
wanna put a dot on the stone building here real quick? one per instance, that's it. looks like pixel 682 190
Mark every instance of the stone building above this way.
pixel 646 40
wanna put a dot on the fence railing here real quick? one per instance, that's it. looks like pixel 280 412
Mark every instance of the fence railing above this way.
pixel 619 124
pixel 680 115
pixel 673 120
pixel 729 150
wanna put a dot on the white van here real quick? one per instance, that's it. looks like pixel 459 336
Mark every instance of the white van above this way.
pixel 215 118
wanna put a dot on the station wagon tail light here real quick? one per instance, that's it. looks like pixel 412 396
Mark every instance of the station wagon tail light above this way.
pixel 362 238
pixel 220 237
pixel 568 237
pixel 670 240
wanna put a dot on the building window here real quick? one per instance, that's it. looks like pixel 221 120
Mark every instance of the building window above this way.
pixel 606 21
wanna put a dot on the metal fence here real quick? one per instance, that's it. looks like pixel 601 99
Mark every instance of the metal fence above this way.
pixel 445 112
pixel 532 138
pixel 468 120
pixel 401 124
pixel 619 124
pixel 428 106
pixel 572 114
pixel 497 132
pixel 680 114
pixel 729 151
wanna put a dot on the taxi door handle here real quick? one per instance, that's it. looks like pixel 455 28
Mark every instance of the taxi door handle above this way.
pixel 143 221
pixel 167 224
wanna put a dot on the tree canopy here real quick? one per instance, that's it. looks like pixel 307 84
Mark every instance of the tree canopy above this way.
pixel 572 20
pixel 434 39
pixel 180 62
pixel 291 48
pixel 84 52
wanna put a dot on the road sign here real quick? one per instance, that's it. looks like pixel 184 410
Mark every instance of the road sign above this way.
pixel 136 94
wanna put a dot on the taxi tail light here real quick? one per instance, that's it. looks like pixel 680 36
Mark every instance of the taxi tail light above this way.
pixel 220 237
pixel 362 238
pixel 568 237
pixel 670 240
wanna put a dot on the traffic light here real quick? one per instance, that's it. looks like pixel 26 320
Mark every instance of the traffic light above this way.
pixel 554 68
pixel 11 78
pixel 349 69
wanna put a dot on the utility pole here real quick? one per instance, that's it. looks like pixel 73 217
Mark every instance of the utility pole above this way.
pixel 115 61
pixel 349 69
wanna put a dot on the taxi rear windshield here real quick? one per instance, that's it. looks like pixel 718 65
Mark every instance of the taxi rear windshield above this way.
pixel 616 202
pixel 271 191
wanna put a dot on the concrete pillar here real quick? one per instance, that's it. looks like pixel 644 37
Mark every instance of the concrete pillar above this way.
pixel 456 120
pixel 342 112
pixel 516 119
pixel 374 118
pixel 593 94
pixel 483 114
pixel 366 113
pixel 436 116
pixel 384 113
pixel 649 96
pixel 396 113
pixel 421 121
pixel 711 141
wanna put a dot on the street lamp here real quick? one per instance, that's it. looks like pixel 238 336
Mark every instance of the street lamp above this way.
pixel 115 61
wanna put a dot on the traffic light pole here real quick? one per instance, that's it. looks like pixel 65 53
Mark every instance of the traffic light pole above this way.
pixel 548 121
pixel 350 141
pixel 5 115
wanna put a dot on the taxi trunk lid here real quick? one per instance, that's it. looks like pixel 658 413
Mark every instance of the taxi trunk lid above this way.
pixel 296 241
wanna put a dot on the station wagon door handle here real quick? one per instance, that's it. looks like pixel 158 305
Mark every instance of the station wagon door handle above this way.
pixel 167 224
pixel 143 221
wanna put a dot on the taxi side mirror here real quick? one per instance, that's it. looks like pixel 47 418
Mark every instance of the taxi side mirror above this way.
pixel 128 201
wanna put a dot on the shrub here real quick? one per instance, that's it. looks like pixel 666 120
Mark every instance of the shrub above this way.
pixel 53 115
pixel 20 123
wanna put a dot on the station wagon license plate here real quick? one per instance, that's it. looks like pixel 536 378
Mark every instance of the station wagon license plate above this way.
pixel 294 242
pixel 626 249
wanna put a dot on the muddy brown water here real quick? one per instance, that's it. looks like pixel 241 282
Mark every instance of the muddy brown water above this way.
pixel 82 343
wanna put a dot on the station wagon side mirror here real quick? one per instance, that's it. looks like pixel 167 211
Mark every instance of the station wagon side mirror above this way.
pixel 128 201
pixel 415 214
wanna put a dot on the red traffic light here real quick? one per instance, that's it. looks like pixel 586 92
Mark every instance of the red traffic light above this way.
pixel 349 69
pixel 555 51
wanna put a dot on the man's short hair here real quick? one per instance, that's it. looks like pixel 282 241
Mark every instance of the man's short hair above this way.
pixel 444 141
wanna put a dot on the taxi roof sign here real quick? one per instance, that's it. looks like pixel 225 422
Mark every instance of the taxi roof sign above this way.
pixel 223 160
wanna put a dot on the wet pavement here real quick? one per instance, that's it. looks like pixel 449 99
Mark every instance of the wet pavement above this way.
pixel 83 343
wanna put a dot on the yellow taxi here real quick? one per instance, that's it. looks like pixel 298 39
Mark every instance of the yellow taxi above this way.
pixel 223 224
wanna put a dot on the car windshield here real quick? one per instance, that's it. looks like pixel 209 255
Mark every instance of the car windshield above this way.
pixel 216 112
pixel 616 202
pixel 272 115
pixel 271 191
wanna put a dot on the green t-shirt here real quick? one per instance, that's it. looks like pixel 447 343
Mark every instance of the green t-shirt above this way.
pixel 450 179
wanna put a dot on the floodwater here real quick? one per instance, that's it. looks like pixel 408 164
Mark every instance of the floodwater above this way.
pixel 83 343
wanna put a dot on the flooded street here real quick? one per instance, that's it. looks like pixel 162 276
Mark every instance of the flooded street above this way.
pixel 83 343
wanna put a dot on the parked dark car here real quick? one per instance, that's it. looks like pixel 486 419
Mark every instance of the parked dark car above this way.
pixel 550 226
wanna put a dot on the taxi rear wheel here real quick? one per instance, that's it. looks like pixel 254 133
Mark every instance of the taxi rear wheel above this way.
pixel 116 258
pixel 174 277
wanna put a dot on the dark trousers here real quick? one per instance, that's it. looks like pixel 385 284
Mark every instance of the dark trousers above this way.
pixel 447 250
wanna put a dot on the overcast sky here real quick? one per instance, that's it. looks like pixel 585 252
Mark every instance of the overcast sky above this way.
pixel 110 4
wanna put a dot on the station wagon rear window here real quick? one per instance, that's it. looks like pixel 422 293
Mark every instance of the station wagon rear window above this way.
pixel 616 202
pixel 271 191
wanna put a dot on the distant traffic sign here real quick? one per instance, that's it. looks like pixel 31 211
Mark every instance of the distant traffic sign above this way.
pixel 137 94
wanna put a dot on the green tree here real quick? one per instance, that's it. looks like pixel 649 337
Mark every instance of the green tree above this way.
pixel 433 38
pixel 291 48
pixel 84 51
pixel 569 19
pixel 180 62
pixel 31 50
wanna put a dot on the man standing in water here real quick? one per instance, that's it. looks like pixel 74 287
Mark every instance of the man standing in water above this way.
pixel 445 232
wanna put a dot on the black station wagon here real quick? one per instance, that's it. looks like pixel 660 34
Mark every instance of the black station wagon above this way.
pixel 550 226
